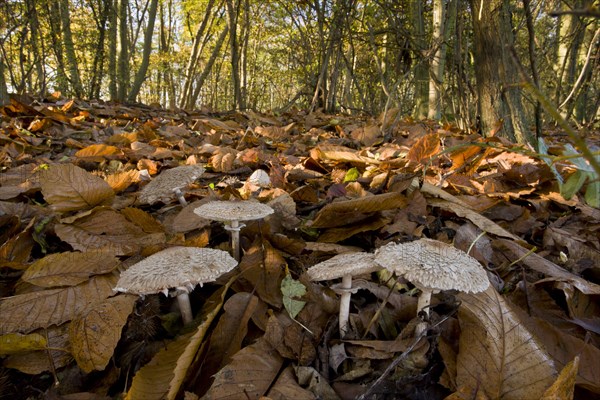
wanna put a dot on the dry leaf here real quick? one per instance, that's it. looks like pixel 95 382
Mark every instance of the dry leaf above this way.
pixel 251 373
pixel 263 266
pixel 67 187
pixel 424 148
pixel 287 387
pixel 497 353
pixel 342 212
pixel 564 386
pixel 99 152
pixel 69 268
pixel 223 158
pixel 29 311
pixel 107 229
pixel 14 343
pixel 95 334
pixel 163 376
pixel 36 362
pixel 340 153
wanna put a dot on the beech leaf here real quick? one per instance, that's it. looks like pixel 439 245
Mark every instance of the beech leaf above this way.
pixel 69 268
pixel 497 353
pixel 30 311
pixel 95 334
pixel 67 187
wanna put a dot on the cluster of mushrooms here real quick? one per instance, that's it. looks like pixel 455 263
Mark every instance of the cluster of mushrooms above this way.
pixel 430 265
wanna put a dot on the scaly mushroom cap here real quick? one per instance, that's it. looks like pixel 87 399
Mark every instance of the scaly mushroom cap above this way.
pixel 228 211
pixel 175 267
pixel 433 264
pixel 343 264
pixel 162 186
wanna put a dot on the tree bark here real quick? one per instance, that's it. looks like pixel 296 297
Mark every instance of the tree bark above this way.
pixel 140 76
pixel 233 14
pixel 112 48
pixel 421 73
pixel 4 98
pixel 67 36
pixel 499 95
pixel 123 62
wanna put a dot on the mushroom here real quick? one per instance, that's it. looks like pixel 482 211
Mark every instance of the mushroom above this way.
pixel 344 266
pixel 169 182
pixel 181 268
pixel 231 213
pixel 433 266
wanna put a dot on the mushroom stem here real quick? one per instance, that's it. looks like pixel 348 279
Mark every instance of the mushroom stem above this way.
pixel 183 299
pixel 235 228
pixel 345 303
pixel 424 300
pixel 180 197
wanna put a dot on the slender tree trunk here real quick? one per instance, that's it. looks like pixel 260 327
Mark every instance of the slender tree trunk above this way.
pixel 192 65
pixel 421 74
pixel 4 98
pixel 65 17
pixel 209 66
pixel 233 14
pixel 112 48
pixel 34 25
pixel 62 82
pixel 441 32
pixel 99 55
pixel 140 76
pixel 123 62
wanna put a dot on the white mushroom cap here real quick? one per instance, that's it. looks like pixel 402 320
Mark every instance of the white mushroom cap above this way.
pixel 343 264
pixel 162 187
pixel 228 211
pixel 175 267
pixel 260 178
pixel 432 264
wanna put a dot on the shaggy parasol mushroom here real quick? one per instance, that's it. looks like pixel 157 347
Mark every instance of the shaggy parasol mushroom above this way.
pixel 344 266
pixel 231 213
pixel 181 268
pixel 433 266
pixel 169 182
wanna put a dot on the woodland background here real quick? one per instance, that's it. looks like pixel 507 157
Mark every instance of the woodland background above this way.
pixel 460 60
pixel 470 122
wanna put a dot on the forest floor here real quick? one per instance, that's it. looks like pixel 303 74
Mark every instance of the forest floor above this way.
pixel 71 219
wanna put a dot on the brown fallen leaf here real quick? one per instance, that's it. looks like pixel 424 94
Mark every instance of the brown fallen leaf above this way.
pixel 67 187
pixel 497 354
pixel 99 153
pixel 286 387
pixel 250 374
pixel 424 148
pixel 69 268
pixel 27 312
pixel 564 386
pixel 341 212
pixel 263 267
pixel 95 334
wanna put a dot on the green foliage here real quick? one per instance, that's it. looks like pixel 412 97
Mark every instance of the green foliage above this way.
pixel 292 289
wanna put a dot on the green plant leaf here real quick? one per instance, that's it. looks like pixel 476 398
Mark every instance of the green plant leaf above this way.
pixel 592 194
pixel 351 175
pixel 573 184
pixel 291 288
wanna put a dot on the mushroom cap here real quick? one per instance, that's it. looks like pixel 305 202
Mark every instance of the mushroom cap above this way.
pixel 260 178
pixel 432 264
pixel 228 211
pixel 343 264
pixel 162 186
pixel 175 267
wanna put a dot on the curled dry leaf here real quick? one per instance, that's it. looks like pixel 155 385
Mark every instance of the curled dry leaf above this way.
pixel 69 268
pixel 338 213
pixel 30 311
pixel 67 187
pixel 95 334
pixel 497 353
pixel 263 266
pixel 223 158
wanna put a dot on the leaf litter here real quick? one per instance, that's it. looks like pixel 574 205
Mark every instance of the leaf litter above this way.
pixel 73 214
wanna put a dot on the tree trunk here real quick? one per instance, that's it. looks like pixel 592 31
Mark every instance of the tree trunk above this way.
pixel 62 82
pixel 233 14
pixel 441 33
pixel 140 76
pixel 498 93
pixel 4 99
pixel 34 25
pixel 112 48
pixel 123 62
pixel 186 94
pixel 209 65
pixel 421 74
pixel 67 36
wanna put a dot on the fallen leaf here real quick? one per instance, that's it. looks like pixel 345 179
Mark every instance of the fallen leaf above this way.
pixel 564 386
pixel 263 267
pixel 13 343
pixel 286 387
pixel 69 268
pixel 95 334
pixel 30 311
pixel 494 345
pixel 67 187
pixel 424 148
